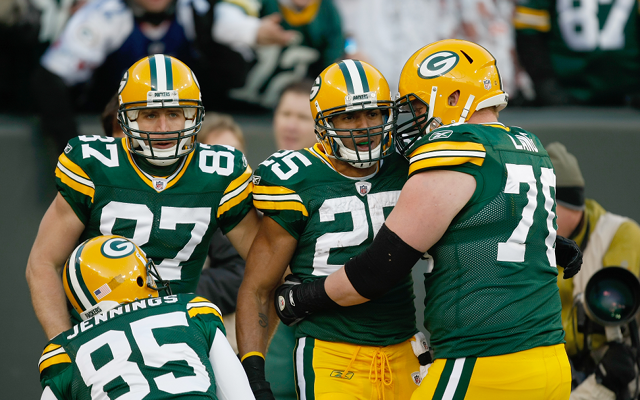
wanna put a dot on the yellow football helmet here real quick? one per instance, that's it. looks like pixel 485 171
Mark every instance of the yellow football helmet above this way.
pixel 435 72
pixel 345 87
pixel 106 271
pixel 160 81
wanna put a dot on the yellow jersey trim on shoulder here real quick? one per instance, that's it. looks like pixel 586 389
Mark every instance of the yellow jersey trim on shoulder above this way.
pixel 53 354
pixel 73 176
pixel 506 128
pixel 441 154
pixel 237 191
pixel 278 198
pixel 318 151
pixel 200 305
pixel 150 180
pixel 530 18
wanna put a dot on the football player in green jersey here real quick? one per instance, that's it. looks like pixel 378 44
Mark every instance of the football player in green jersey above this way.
pixel 580 52
pixel 157 186
pixel 131 342
pixel 323 205
pixel 481 199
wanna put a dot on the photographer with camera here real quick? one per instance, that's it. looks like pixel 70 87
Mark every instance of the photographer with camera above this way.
pixel 603 358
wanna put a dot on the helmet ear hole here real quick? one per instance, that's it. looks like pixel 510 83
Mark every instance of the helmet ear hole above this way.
pixel 140 281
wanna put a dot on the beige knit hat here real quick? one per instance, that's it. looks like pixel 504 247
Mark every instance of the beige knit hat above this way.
pixel 569 180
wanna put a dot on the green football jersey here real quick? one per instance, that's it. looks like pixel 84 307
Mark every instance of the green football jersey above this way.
pixel 334 218
pixel 493 287
pixel 171 218
pixel 319 44
pixel 593 44
pixel 150 349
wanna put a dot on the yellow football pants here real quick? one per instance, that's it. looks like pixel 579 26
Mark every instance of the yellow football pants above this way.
pixel 342 371
pixel 541 373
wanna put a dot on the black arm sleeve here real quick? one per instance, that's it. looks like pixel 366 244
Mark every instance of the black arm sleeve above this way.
pixel 55 107
pixel 382 265
pixel 220 282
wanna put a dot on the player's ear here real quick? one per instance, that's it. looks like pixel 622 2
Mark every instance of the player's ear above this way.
pixel 453 98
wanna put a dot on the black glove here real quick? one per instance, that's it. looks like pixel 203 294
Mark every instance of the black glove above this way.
pixel 568 256
pixel 287 309
pixel 617 369
pixel 295 300
pixel 254 368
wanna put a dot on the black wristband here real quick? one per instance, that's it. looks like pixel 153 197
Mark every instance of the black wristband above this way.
pixel 254 367
pixel 311 297
pixel 382 265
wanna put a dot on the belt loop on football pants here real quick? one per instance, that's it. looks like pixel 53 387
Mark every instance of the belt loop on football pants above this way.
pixel 380 372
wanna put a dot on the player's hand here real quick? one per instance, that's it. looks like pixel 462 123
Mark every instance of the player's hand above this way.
pixel 271 32
pixel 568 256
pixel 288 311
pixel 254 368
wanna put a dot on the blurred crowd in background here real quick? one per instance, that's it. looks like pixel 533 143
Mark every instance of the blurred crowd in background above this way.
pixel 69 55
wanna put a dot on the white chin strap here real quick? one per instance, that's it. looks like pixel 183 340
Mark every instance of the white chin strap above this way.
pixel 161 155
pixel 355 157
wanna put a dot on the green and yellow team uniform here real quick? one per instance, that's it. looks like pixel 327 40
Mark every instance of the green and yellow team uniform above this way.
pixel 333 218
pixel 171 218
pixel 623 251
pixel 491 298
pixel 156 348
pixel 594 45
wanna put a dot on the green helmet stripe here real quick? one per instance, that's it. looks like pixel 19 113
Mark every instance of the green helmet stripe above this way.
pixel 363 76
pixel 169 72
pixel 347 76
pixel 153 72
pixel 76 282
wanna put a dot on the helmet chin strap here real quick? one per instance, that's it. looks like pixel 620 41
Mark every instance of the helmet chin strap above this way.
pixel 354 157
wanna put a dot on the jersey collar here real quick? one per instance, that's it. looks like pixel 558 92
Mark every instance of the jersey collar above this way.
pixel 158 183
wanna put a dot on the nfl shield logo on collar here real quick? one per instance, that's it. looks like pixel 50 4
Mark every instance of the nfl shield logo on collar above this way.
pixel 158 184
pixel 363 188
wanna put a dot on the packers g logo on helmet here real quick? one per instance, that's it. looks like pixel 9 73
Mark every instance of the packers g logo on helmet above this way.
pixel 436 72
pixel 106 271
pixel 438 64
pixel 315 88
pixel 117 248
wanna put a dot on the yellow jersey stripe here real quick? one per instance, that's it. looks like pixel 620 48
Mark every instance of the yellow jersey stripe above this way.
pixel 281 205
pixel 59 359
pixel 435 146
pixel 183 169
pixel 530 18
pixel 71 166
pixel 236 183
pixel 125 145
pixel 271 190
pixel 198 299
pixel 318 151
pixel 50 347
pixel 506 128
pixel 200 305
pixel 204 310
pixel 239 198
pixel 172 181
pixel 444 161
pixel 78 187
